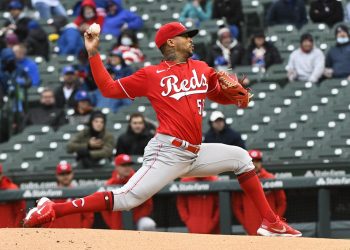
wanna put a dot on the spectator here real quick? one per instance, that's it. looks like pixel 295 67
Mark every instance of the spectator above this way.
pixel 119 19
pixel 227 52
pixel 83 109
pixel 120 176
pixel 243 207
pixel 118 69
pixel 88 15
pixel 37 42
pixel 200 212
pixel 137 136
pixel 93 145
pixel 232 11
pixel 196 11
pixel 27 64
pixel 11 39
pixel 64 177
pixel 49 8
pixel 287 12
pixel 11 213
pixel 337 59
pixel 307 62
pixel 127 44
pixel 220 132
pixel 70 41
pixel 64 94
pixel 261 53
pixel 47 113
pixel 329 12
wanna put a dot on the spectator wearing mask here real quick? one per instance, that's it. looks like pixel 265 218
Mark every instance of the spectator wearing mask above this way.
pixel 232 11
pixel 329 12
pixel 261 53
pixel 199 212
pixel 93 146
pixel 120 176
pixel 64 94
pixel 307 62
pixel 118 69
pixel 27 64
pixel 88 15
pixel 11 213
pixel 287 12
pixel 337 59
pixel 227 52
pixel 196 11
pixel 127 44
pixel 64 178
pixel 69 40
pixel 83 109
pixel 220 132
pixel 119 19
pixel 37 42
pixel 243 207
pixel 137 136
pixel 49 8
pixel 47 113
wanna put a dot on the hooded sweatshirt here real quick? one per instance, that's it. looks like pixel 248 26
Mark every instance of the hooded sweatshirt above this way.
pixel 96 19
pixel 113 23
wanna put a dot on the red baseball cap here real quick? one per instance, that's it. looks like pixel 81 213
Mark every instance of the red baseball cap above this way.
pixel 170 30
pixel 255 154
pixel 63 167
pixel 122 159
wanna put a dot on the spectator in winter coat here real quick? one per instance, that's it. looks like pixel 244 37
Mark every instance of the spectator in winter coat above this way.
pixel 37 42
pixel 27 64
pixel 88 15
pixel 47 113
pixel 329 12
pixel 64 177
pixel 232 11
pixel 119 19
pixel 64 94
pixel 220 132
pixel 11 213
pixel 70 41
pixel 127 44
pixel 137 136
pixel 120 176
pixel 261 53
pixel 93 146
pixel 287 12
pixel 83 109
pixel 227 52
pixel 307 62
pixel 337 59
pixel 196 11
pixel 242 205
pixel 49 8
pixel 200 212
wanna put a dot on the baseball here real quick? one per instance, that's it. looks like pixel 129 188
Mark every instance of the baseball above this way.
pixel 94 29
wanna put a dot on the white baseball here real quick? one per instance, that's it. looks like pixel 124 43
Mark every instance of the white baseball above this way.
pixel 95 29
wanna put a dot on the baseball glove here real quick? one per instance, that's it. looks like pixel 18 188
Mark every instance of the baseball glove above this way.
pixel 234 89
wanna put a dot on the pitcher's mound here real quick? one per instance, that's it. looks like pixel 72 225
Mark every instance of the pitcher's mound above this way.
pixel 11 239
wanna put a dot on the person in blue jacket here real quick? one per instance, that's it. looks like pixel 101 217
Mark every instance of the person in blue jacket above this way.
pixel 119 19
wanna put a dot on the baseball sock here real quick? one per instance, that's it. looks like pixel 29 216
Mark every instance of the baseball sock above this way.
pixel 96 202
pixel 251 186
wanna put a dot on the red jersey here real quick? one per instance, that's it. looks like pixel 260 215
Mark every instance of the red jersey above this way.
pixel 176 91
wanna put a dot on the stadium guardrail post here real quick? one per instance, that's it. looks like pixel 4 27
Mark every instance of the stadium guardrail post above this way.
pixel 127 219
pixel 225 213
pixel 324 213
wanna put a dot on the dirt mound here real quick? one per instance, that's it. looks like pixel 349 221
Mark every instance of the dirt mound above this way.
pixel 86 239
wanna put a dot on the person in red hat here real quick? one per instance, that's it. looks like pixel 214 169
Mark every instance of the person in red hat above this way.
pixel 11 213
pixel 200 212
pixel 121 175
pixel 64 177
pixel 243 207
pixel 177 88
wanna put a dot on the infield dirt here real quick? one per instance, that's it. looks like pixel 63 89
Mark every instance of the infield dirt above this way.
pixel 51 239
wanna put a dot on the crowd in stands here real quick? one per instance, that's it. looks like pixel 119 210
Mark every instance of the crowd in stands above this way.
pixel 23 37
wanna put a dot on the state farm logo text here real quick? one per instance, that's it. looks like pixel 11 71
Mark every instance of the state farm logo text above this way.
pixel 176 89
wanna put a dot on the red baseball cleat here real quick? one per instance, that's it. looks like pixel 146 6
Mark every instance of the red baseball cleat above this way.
pixel 41 214
pixel 279 228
